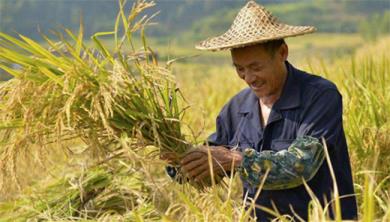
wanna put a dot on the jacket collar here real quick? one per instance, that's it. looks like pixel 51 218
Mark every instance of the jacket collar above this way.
pixel 291 94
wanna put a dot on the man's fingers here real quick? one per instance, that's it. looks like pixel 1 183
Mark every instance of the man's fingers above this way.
pixel 191 156
pixel 171 158
pixel 205 172
pixel 198 171
pixel 203 168
pixel 203 175
pixel 168 154
pixel 193 164
pixel 196 164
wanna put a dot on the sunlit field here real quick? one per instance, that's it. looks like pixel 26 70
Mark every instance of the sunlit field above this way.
pixel 86 146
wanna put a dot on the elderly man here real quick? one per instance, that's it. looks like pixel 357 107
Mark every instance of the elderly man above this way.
pixel 272 131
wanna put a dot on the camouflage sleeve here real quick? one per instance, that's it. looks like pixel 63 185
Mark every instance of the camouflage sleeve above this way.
pixel 287 168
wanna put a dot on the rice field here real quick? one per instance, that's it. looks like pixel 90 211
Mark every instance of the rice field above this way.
pixel 82 128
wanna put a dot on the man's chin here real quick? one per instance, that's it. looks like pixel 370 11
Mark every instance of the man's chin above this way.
pixel 259 93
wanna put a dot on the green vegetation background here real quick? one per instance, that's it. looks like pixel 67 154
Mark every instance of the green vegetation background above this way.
pixel 197 17
pixel 181 23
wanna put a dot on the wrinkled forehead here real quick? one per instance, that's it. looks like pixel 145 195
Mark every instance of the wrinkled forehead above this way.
pixel 249 55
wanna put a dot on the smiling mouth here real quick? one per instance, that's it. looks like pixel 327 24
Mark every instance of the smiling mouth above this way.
pixel 257 85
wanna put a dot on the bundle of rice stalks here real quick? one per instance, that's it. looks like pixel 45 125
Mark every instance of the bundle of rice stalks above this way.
pixel 74 91
pixel 105 191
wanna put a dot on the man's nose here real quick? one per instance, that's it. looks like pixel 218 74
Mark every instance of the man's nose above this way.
pixel 249 77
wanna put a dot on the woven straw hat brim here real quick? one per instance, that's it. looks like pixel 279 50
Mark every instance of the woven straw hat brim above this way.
pixel 215 44
pixel 253 25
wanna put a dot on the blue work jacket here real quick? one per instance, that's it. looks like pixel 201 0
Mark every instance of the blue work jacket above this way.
pixel 309 106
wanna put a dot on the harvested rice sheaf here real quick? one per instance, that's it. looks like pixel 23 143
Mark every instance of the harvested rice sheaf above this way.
pixel 74 91
pixel 97 193
pixel 107 100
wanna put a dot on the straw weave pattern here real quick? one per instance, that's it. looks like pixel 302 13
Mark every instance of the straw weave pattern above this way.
pixel 253 24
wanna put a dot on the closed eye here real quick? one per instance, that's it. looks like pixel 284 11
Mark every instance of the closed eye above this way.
pixel 257 69
pixel 239 69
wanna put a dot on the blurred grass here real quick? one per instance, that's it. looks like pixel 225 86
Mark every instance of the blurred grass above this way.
pixel 326 46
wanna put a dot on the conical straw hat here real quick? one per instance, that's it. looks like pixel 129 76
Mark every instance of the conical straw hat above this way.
pixel 253 24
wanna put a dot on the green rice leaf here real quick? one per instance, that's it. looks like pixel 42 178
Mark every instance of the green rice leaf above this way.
pixel 99 44
pixel 38 49
pixel 13 72
pixel 52 76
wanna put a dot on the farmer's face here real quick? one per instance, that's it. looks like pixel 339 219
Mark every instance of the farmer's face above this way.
pixel 264 73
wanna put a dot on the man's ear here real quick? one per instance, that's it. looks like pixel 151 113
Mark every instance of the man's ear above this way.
pixel 283 52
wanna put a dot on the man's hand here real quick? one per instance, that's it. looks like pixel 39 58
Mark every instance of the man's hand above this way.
pixel 196 163
pixel 170 157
